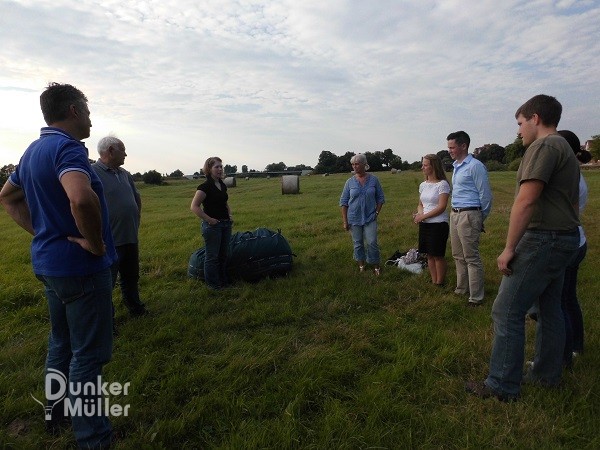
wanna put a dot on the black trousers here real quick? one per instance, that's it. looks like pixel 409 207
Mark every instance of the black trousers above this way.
pixel 128 269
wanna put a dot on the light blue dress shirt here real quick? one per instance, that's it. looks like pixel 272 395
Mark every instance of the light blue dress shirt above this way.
pixel 471 186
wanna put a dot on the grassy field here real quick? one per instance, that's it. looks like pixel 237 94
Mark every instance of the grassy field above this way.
pixel 324 358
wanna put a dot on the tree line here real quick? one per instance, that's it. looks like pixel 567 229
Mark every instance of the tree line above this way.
pixel 494 156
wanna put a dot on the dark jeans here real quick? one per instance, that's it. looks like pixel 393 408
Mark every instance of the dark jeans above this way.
pixel 538 271
pixel 216 244
pixel 128 268
pixel 571 308
pixel 80 343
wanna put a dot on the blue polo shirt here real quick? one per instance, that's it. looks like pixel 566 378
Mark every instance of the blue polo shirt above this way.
pixel 38 174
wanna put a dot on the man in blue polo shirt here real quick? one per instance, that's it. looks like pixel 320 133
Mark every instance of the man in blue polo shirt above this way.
pixel 471 204
pixel 55 195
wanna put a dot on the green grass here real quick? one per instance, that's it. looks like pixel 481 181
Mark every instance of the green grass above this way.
pixel 324 358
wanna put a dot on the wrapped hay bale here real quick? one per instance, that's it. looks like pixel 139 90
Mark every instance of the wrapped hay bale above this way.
pixel 229 182
pixel 290 184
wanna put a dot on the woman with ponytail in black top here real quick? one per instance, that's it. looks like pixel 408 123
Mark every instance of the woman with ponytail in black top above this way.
pixel 210 204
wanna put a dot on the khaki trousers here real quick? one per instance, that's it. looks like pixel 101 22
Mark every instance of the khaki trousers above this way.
pixel 465 229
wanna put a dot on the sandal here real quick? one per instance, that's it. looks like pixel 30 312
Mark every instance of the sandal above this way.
pixel 377 271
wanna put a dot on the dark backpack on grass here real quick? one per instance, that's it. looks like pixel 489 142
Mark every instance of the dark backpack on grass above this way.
pixel 253 255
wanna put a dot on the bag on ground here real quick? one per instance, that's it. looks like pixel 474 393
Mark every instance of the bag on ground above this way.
pixel 253 255
pixel 411 261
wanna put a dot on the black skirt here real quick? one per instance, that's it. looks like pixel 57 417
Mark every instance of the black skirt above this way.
pixel 433 238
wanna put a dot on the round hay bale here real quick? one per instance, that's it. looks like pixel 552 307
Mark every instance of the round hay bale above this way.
pixel 268 177
pixel 325 174
pixel 394 170
pixel 229 182
pixel 247 178
pixel 290 184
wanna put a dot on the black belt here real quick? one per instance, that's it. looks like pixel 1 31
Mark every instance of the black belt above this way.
pixel 469 208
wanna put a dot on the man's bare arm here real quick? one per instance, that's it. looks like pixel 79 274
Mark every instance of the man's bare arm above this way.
pixel 85 207
pixel 12 199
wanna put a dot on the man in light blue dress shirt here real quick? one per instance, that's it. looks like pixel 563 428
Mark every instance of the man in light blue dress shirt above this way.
pixel 471 204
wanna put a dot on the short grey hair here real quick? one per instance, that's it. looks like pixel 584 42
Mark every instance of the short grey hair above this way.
pixel 106 142
pixel 359 158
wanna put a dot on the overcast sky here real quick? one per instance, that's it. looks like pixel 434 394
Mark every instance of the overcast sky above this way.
pixel 257 82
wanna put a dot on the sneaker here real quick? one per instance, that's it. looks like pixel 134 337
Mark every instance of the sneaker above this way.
pixel 529 365
pixel 530 379
pixel 57 424
pixel 481 390
pixel 138 312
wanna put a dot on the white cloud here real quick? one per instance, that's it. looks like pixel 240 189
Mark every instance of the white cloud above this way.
pixel 259 82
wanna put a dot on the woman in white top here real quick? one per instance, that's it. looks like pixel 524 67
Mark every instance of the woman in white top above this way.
pixel 432 217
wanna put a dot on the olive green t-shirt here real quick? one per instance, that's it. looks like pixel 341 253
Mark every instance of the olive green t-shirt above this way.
pixel 550 159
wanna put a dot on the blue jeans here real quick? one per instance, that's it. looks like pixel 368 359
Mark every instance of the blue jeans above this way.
pixel 80 342
pixel 128 267
pixel 367 232
pixel 216 245
pixel 538 272
pixel 571 308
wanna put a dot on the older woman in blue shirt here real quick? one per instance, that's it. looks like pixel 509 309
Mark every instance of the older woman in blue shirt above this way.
pixel 361 201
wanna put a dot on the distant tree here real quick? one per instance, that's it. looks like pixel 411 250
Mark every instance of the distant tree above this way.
pixel 176 174
pixel 406 165
pixel 396 163
pixel 490 152
pixel 342 164
pixel 5 172
pixel 196 175
pixel 374 160
pixel 416 166
pixel 275 167
pixel 494 166
pixel 244 169
pixel 230 169
pixel 387 157
pixel 137 176
pixel 444 155
pixel 514 164
pixel 594 147
pixel 152 177
pixel 513 151
pixel 327 162
pixel 299 167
